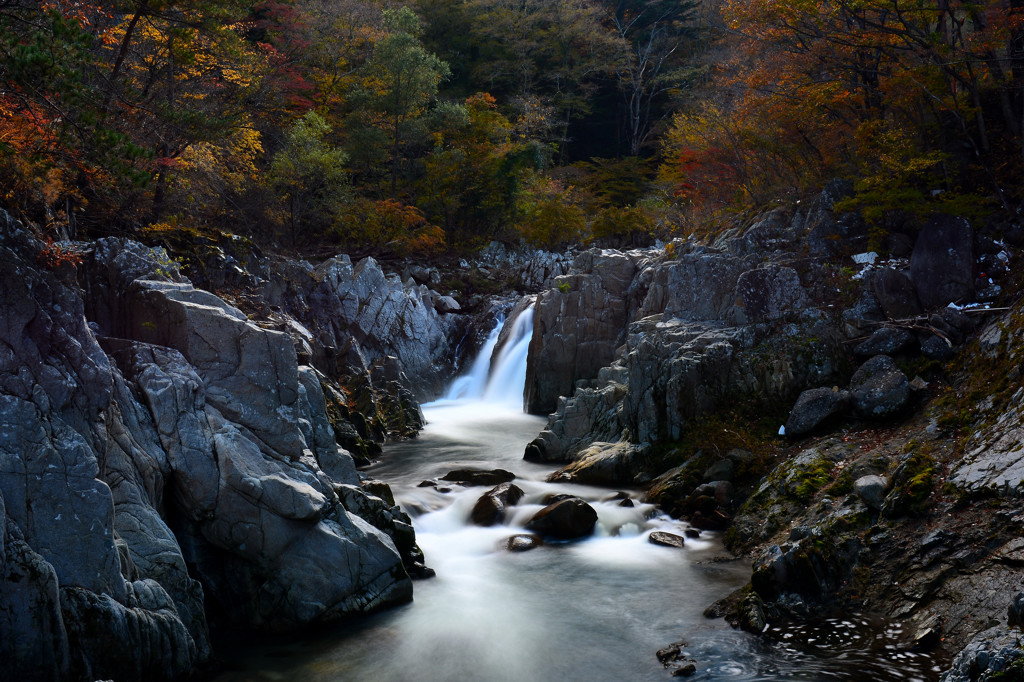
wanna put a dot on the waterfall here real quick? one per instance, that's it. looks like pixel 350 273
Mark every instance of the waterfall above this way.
pixel 508 377
pixel 471 386
pixel 503 381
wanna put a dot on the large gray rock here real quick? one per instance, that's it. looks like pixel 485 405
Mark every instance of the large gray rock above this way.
pixel 872 490
pixel 814 408
pixel 942 264
pixel 189 417
pixel 577 326
pixel 879 389
pixel 994 654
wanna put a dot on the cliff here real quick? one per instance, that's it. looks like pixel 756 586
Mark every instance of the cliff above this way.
pixel 167 463
pixel 896 487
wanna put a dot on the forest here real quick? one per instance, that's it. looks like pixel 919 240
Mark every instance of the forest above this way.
pixel 434 126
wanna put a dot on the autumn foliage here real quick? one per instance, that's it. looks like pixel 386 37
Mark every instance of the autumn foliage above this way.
pixel 422 126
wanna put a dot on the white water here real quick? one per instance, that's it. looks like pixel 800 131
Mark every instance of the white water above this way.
pixel 598 609
pixel 506 383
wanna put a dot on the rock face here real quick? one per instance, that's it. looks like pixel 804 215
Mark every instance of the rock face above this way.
pixel 359 317
pixel 942 264
pixel 577 326
pixel 177 434
pixel 670 371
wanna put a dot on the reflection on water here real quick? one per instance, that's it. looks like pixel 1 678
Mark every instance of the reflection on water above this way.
pixel 598 609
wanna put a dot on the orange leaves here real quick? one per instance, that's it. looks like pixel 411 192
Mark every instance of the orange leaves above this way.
pixel 393 225
pixel 54 256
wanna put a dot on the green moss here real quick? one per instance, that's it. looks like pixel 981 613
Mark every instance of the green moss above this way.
pixel 811 479
pixel 913 481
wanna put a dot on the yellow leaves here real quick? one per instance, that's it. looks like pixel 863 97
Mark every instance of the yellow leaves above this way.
pixel 205 171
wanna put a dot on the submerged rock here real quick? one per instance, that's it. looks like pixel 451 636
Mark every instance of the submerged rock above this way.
pixel 490 509
pixel 664 539
pixel 478 476
pixel 566 519
pixel 522 543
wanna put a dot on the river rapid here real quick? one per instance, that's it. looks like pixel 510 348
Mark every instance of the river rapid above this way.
pixel 596 609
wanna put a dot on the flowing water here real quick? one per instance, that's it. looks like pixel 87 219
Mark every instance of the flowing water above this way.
pixel 597 609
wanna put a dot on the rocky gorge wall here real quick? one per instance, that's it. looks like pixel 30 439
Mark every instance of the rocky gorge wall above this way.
pixel 630 347
pixel 166 463
pixel 890 493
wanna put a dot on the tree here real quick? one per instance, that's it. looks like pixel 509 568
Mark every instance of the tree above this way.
pixel 544 53
pixel 653 35
pixel 400 84
pixel 310 176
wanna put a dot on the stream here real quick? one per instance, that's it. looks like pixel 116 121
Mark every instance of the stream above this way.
pixel 596 609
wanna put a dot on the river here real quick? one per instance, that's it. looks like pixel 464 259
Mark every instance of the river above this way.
pixel 596 609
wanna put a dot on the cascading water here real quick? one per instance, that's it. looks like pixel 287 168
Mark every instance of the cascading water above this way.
pixel 472 385
pixel 503 380
pixel 597 609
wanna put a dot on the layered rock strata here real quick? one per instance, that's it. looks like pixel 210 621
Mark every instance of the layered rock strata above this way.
pixel 165 462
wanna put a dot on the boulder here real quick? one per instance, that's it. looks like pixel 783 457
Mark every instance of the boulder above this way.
pixel 566 519
pixel 607 464
pixel 936 347
pixel 879 389
pixel 871 489
pixel 489 510
pixel 942 264
pixel 814 408
pixel 885 341
pixel 896 294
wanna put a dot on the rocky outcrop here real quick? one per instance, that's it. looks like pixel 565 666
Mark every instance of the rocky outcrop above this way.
pixel 357 317
pixel 942 264
pixel 577 326
pixel 994 654
pixel 166 463
pixel 671 371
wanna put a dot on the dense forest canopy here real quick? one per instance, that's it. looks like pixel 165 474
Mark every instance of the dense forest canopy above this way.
pixel 429 125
